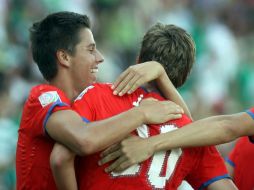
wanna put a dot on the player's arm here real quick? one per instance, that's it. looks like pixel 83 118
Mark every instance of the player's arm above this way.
pixel 62 166
pixel 208 131
pixel 230 169
pixel 67 127
pixel 223 184
pixel 139 74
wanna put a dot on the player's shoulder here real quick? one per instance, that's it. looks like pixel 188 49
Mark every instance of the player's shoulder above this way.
pixel 95 89
pixel 46 94
pixel 43 88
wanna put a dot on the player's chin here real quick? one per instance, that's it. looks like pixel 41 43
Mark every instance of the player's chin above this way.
pixel 93 78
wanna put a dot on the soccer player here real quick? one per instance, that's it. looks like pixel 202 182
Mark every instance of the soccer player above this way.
pixel 201 167
pixel 64 49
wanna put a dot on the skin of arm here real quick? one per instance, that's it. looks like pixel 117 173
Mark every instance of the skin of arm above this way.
pixel 170 92
pixel 67 127
pixel 62 166
pixel 139 74
pixel 209 131
pixel 223 184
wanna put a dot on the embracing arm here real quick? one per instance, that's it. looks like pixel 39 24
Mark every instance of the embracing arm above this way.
pixel 67 127
pixel 139 74
pixel 208 131
pixel 204 132
pixel 171 93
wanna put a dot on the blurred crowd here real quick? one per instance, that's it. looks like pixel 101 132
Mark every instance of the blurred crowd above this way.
pixel 220 82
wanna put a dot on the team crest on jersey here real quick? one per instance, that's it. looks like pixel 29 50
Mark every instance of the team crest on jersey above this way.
pixel 49 97
pixel 84 92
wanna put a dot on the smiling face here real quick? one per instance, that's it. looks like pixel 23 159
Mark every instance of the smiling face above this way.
pixel 85 60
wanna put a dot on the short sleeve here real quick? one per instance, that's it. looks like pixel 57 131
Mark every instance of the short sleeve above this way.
pixel 41 103
pixel 210 168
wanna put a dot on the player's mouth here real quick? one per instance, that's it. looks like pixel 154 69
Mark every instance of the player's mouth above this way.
pixel 94 70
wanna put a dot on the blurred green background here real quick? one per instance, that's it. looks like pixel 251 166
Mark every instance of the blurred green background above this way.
pixel 221 81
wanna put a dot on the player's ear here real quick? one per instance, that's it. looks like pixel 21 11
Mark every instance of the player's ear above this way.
pixel 63 58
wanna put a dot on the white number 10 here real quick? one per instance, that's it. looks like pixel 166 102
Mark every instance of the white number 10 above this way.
pixel 159 160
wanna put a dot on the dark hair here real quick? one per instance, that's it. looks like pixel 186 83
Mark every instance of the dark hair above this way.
pixel 171 46
pixel 56 31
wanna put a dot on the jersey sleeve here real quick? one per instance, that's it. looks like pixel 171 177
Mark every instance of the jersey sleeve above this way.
pixel 251 114
pixel 40 106
pixel 233 155
pixel 209 169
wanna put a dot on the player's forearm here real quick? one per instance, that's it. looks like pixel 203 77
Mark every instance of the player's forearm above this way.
pixel 171 93
pixel 104 133
pixel 209 131
pixel 62 166
pixel 68 128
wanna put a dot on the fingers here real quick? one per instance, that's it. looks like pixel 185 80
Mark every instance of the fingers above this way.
pixel 120 78
pixel 123 166
pixel 129 85
pixel 115 164
pixel 110 157
pixel 174 116
pixel 140 81
pixel 174 108
pixel 110 150
pixel 123 83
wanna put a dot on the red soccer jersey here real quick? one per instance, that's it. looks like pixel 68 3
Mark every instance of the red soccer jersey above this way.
pixel 165 170
pixel 34 146
pixel 241 158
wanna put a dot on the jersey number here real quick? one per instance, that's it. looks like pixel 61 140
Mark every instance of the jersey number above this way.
pixel 160 159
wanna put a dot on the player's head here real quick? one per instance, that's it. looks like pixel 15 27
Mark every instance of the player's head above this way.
pixel 64 40
pixel 171 46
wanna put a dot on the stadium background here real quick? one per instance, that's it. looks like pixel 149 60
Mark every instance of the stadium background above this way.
pixel 221 81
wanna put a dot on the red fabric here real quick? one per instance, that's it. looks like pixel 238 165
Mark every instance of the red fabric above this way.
pixel 34 146
pixel 242 156
pixel 197 165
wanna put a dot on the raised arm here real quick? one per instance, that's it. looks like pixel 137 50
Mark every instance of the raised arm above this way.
pixel 139 74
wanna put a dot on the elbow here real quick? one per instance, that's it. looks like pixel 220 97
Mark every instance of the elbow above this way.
pixel 231 131
pixel 60 160
pixel 87 146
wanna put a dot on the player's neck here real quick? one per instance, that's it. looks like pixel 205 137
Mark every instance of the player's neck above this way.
pixel 64 83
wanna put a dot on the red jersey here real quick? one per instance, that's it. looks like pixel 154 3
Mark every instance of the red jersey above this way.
pixel 34 145
pixel 165 170
pixel 241 158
